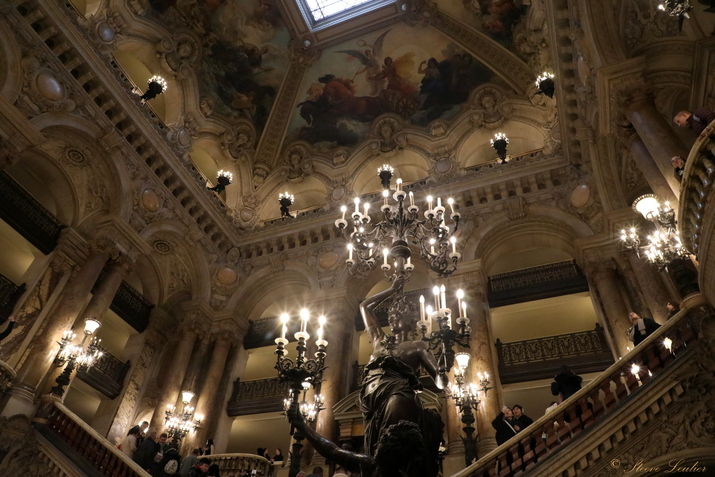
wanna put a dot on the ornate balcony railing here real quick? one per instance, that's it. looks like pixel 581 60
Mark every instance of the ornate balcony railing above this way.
pixel 132 307
pixel 695 187
pixel 106 375
pixel 26 215
pixel 238 465
pixel 97 455
pixel 9 294
pixel 254 397
pixel 593 405
pixel 584 352
pixel 554 279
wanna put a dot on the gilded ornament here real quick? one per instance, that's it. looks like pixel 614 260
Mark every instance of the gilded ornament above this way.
pixel 49 87
pixel 150 200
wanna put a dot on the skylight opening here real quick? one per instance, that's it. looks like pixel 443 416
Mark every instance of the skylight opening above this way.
pixel 321 9
pixel 320 14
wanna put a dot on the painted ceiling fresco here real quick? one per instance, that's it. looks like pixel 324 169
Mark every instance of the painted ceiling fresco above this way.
pixel 245 53
pixel 415 72
pixel 496 18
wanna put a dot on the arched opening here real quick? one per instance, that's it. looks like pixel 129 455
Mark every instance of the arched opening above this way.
pixel 310 194
pixel 408 165
pixel 477 149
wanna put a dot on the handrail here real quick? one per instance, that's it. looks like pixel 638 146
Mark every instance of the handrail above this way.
pixel 98 451
pixel 695 188
pixel 237 465
pixel 584 408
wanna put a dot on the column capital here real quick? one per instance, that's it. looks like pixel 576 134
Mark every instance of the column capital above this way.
pixel 195 321
pixel 599 269
pixel 616 83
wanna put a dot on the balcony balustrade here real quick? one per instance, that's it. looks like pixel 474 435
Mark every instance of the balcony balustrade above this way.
pixel 106 375
pixel 254 397
pixel 238 465
pixel 541 358
pixel 9 294
pixel 554 279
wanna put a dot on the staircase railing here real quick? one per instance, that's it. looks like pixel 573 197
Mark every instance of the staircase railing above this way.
pixel 238 465
pixel 591 404
pixel 95 449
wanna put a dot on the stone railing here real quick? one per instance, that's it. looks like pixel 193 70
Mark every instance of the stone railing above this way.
pixel 534 283
pixel 9 294
pixel 695 187
pixel 595 403
pixel 7 374
pixel 26 215
pixel 239 465
pixel 66 429
pixel 258 396
pixel 541 358
pixel 106 375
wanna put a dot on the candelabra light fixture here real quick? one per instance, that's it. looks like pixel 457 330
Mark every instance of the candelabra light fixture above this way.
pixel 369 242
pixel 301 374
pixel 663 243
pixel 82 356
pixel 285 199
pixel 466 398
pixel 223 179
pixel 155 86
pixel 446 335
pixel 676 8
pixel 385 173
pixel 545 83
pixel 181 423
pixel 500 143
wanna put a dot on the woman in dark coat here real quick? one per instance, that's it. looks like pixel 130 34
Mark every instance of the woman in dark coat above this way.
pixel 502 425
pixel 566 383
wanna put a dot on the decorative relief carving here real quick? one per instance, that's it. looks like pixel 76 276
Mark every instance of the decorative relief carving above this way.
pixel 21 452
pixel 489 108
pixel 640 23
pixel 298 166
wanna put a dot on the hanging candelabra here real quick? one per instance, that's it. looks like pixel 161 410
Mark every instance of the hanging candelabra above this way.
pixel 156 85
pixel 664 243
pixel 180 424
pixel 76 356
pixel 500 143
pixel 676 8
pixel 385 172
pixel 301 374
pixel 545 83
pixel 223 179
pixel 285 200
pixel 401 225
pixel 446 335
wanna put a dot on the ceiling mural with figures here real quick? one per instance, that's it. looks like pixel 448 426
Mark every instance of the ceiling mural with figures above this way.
pixel 387 71
pixel 245 57
pixel 498 19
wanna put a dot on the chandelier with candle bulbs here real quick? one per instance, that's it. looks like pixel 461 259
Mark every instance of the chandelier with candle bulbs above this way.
pixel 82 356
pixel 372 243
pixel 663 243
pixel 448 332
pixel 676 8
pixel 179 424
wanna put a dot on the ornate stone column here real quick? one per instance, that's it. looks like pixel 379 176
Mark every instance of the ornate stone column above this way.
pixel 652 286
pixel 192 378
pixel 647 165
pixel 654 131
pixel 604 277
pixel 189 331
pixel 43 347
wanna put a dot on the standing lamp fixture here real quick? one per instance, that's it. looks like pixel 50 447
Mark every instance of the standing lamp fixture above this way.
pixel 223 179
pixel 466 398
pixel 180 424
pixel 446 335
pixel 664 243
pixel 301 373
pixel 156 85
pixel 385 173
pixel 499 143
pixel 545 83
pixel 72 357
pixel 285 199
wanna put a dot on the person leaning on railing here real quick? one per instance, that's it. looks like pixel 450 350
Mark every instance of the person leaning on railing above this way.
pixel 642 328
pixel 698 120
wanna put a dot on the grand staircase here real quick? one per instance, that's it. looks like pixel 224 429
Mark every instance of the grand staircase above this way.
pixel 653 408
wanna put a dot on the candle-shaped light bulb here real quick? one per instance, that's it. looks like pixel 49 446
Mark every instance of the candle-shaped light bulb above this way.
pixel 443 295
pixel 370 247
pixel 429 311
pixel 304 316
pixel 367 207
pixel 422 308
pixel 385 253
pixel 454 244
pixel 350 251
pixel 321 323
pixel 450 201
pixel 399 184
pixel 429 202
pixel 385 193
pixel 439 202
pixel 284 321
pixel 357 205
pixel 412 199
pixel 432 242
pixel 343 209
pixel 435 292
pixel 409 261
pixel 464 309
pixel 460 297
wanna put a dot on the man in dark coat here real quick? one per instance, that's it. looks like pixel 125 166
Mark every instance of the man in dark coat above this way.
pixel 145 453
pixel 520 420
pixel 698 120
pixel 641 329
pixel 501 424
pixel 566 383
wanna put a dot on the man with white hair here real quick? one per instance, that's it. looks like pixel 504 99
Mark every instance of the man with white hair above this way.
pixel 698 120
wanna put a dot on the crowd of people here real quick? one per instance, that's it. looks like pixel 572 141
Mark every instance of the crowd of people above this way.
pixel 697 120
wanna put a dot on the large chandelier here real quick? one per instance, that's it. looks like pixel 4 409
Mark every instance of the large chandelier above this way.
pixel 181 423
pixel 447 334
pixel 369 242
pixel 676 8
pixel 663 243
pixel 81 357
